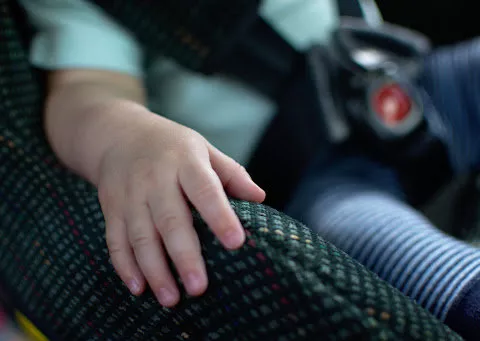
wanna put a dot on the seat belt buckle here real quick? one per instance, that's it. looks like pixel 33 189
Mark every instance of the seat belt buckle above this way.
pixel 366 79
pixel 394 109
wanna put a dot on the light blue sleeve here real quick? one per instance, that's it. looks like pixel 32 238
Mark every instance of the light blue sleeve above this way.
pixel 77 34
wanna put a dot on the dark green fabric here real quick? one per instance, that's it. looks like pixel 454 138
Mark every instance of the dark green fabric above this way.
pixel 285 284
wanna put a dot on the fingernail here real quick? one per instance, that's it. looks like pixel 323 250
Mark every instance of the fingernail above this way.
pixel 134 286
pixel 233 239
pixel 194 283
pixel 166 297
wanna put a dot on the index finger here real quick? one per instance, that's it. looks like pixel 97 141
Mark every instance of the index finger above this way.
pixel 204 189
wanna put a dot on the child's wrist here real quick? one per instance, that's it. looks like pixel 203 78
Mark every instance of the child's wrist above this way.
pixel 106 127
pixel 82 128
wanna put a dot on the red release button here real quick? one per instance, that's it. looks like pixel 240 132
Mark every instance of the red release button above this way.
pixel 392 104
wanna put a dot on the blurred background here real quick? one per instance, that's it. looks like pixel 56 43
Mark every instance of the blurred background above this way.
pixel 444 21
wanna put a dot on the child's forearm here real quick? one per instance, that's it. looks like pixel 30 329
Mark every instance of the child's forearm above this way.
pixel 86 113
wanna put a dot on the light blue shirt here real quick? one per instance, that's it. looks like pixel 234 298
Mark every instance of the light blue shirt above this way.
pixel 77 34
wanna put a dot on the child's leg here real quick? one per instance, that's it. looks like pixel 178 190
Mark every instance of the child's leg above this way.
pixel 357 206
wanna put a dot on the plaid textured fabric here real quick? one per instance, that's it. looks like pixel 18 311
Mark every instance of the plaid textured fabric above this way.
pixel 284 284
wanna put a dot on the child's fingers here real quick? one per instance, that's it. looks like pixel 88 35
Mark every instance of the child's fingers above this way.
pixel 235 179
pixel 148 248
pixel 121 254
pixel 205 191
pixel 173 220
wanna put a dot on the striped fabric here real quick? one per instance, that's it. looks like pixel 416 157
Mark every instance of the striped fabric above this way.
pixel 397 243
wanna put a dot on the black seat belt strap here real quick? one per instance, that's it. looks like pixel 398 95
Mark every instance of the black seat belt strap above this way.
pixel 262 59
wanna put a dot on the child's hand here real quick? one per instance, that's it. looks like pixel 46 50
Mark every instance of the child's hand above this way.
pixel 146 169
pixel 144 184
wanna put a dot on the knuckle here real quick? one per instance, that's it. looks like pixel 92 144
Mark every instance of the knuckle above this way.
pixel 114 247
pixel 236 167
pixel 235 170
pixel 206 192
pixel 141 240
pixel 192 138
pixel 114 240
pixel 191 145
pixel 167 223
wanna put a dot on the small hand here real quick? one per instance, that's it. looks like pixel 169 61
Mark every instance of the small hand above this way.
pixel 144 185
